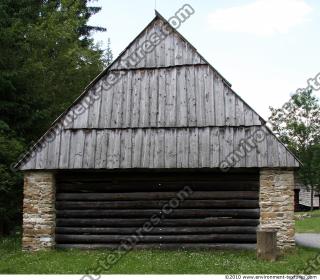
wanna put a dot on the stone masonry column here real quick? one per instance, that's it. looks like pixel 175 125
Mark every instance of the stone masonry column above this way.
pixel 38 210
pixel 277 204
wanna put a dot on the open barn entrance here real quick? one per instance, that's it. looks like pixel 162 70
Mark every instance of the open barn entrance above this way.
pixel 102 209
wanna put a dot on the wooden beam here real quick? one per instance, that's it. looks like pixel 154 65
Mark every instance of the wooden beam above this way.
pixel 176 213
pixel 156 230
pixel 157 195
pixel 162 222
pixel 206 238
pixel 157 204
pixel 215 246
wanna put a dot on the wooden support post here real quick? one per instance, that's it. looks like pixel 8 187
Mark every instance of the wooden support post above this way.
pixel 267 244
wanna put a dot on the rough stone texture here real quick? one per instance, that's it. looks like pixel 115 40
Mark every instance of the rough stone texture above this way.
pixel 38 211
pixel 277 204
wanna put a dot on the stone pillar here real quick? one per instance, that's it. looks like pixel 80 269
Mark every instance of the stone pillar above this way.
pixel 277 204
pixel 38 210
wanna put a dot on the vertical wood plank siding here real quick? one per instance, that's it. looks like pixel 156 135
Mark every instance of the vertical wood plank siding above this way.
pixel 172 50
pixel 164 148
pixel 192 96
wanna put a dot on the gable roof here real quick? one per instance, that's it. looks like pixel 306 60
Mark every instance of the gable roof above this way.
pixel 169 109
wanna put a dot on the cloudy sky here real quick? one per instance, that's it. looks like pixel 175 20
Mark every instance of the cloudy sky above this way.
pixel 265 48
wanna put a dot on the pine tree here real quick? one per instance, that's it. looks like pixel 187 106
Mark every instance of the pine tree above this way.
pixel 108 53
pixel 47 57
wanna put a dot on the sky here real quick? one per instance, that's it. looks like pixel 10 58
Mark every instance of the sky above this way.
pixel 266 49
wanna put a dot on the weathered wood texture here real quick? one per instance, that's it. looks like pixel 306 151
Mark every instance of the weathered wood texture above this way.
pixel 115 210
pixel 170 110
pixel 167 246
pixel 188 96
pixel 267 245
pixel 161 148
pixel 172 50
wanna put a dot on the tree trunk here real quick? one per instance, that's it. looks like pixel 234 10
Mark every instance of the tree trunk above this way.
pixel 1 228
pixel 312 191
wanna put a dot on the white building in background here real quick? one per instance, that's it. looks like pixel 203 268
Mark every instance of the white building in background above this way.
pixel 303 197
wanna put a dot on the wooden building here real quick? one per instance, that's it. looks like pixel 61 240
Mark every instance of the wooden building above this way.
pixel 160 139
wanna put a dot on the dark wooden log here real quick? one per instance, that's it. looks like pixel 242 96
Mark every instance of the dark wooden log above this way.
pixel 77 186
pixel 161 222
pixel 210 238
pixel 156 204
pixel 267 244
pixel 155 230
pixel 98 209
pixel 197 246
pixel 156 195
pixel 163 176
pixel 176 213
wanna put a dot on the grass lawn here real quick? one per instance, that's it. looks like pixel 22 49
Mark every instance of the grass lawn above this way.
pixel 311 225
pixel 13 260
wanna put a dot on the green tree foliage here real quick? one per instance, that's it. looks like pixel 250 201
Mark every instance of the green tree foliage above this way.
pixel 10 182
pixel 297 123
pixel 47 57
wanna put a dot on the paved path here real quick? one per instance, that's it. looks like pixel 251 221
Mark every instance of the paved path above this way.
pixel 308 239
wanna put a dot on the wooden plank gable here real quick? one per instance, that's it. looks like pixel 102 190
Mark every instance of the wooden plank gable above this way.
pixel 154 48
pixel 170 109
pixel 188 96
pixel 208 147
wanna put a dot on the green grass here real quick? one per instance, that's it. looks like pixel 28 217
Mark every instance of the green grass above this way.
pixel 314 213
pixel 13 260
pixel 309 225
